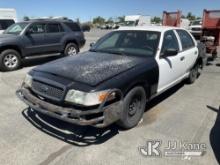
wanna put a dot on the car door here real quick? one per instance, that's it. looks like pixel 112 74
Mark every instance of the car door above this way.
pixel 170 67
pixel 189 52
pixel 53 37
pixel 34 39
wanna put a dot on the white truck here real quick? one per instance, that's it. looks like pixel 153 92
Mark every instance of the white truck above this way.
pixel 196 28
pixel 7 18
pixel 185 23
pixel 137 20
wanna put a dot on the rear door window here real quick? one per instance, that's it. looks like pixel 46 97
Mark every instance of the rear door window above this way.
pixel 54 28
pixel 186 39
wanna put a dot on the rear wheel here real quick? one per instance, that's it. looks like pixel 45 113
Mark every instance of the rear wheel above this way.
pixel 214 55
pixel 71 49
pixel 133 109
pixel 193 74
pixel 10 60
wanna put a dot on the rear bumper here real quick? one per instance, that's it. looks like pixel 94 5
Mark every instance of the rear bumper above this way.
pixel 109 114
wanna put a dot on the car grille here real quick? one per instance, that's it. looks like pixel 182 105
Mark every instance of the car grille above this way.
pixel 196 29
pixel 48 91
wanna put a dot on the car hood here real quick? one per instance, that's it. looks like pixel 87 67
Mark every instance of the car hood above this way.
pixel 91 68
pixel 5 36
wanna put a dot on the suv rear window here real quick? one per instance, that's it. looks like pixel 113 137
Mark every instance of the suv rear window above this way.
pixel 4 24
pixel 73 26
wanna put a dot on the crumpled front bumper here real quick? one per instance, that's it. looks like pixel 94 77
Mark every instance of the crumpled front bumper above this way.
pixel 107 114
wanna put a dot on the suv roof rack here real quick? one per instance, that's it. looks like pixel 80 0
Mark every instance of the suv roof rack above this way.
pixel 52 19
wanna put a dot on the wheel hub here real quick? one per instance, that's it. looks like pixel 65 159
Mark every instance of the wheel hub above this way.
pixel 134 106
pixel 10 60
pixel 72 51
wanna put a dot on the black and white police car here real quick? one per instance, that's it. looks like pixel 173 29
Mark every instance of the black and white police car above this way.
pixel 114 80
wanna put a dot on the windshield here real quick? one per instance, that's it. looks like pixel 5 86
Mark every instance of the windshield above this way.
pixel 197 22
pixel 141 43
pixel 129 23
pixel 16 28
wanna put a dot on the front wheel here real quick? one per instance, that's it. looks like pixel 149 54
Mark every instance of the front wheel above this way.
pixel 133 108
pixel 10 60
pixel 71 49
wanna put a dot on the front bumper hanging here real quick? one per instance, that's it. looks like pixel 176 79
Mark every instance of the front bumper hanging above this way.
pixel 109 113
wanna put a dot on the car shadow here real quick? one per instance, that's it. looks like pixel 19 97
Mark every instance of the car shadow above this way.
pixel 83 135
pixel 215 134
pixel 69 133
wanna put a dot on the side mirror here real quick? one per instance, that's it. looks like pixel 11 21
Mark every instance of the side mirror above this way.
pixel 92 44
pixel 170 52
pixel 29 32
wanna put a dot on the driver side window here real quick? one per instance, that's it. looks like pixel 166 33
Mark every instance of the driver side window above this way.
pixel 169 42
pixel 37 28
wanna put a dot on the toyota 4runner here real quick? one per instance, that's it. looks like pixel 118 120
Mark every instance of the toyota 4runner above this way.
pixel 37 39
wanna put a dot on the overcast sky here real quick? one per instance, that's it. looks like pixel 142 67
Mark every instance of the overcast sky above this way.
pixel 87 9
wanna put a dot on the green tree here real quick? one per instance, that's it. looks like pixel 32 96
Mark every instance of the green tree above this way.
pixel 156 20
pixel 190 16
pixel 98 20
pixel 121 19
pixel 110 20
pixel 26 18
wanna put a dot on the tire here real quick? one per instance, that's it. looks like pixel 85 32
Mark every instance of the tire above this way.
pixel 71 49
pixel 214 56
pixel 193 74
pixel 10 60
pixel 133 108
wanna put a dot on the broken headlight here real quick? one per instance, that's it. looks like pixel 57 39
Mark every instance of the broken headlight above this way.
pixel 87 99
pixel 28 80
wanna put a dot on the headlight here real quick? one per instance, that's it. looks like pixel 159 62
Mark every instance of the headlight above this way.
pixel 28 80
pixel 86 99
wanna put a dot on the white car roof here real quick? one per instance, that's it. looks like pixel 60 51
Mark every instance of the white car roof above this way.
pixel 149 28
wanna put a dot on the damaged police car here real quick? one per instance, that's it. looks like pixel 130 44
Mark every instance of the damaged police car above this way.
pixel 114 80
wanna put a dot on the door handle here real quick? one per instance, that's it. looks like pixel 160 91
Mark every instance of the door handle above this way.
pixel 182 58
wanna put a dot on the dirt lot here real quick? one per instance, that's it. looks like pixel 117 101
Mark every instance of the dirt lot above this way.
pixel 184 113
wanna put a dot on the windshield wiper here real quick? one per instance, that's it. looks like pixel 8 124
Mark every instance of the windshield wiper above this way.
pixel 119 53
pixel 107 51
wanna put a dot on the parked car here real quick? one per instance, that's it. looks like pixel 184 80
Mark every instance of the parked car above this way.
pixel 38 38
pixel 114 80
